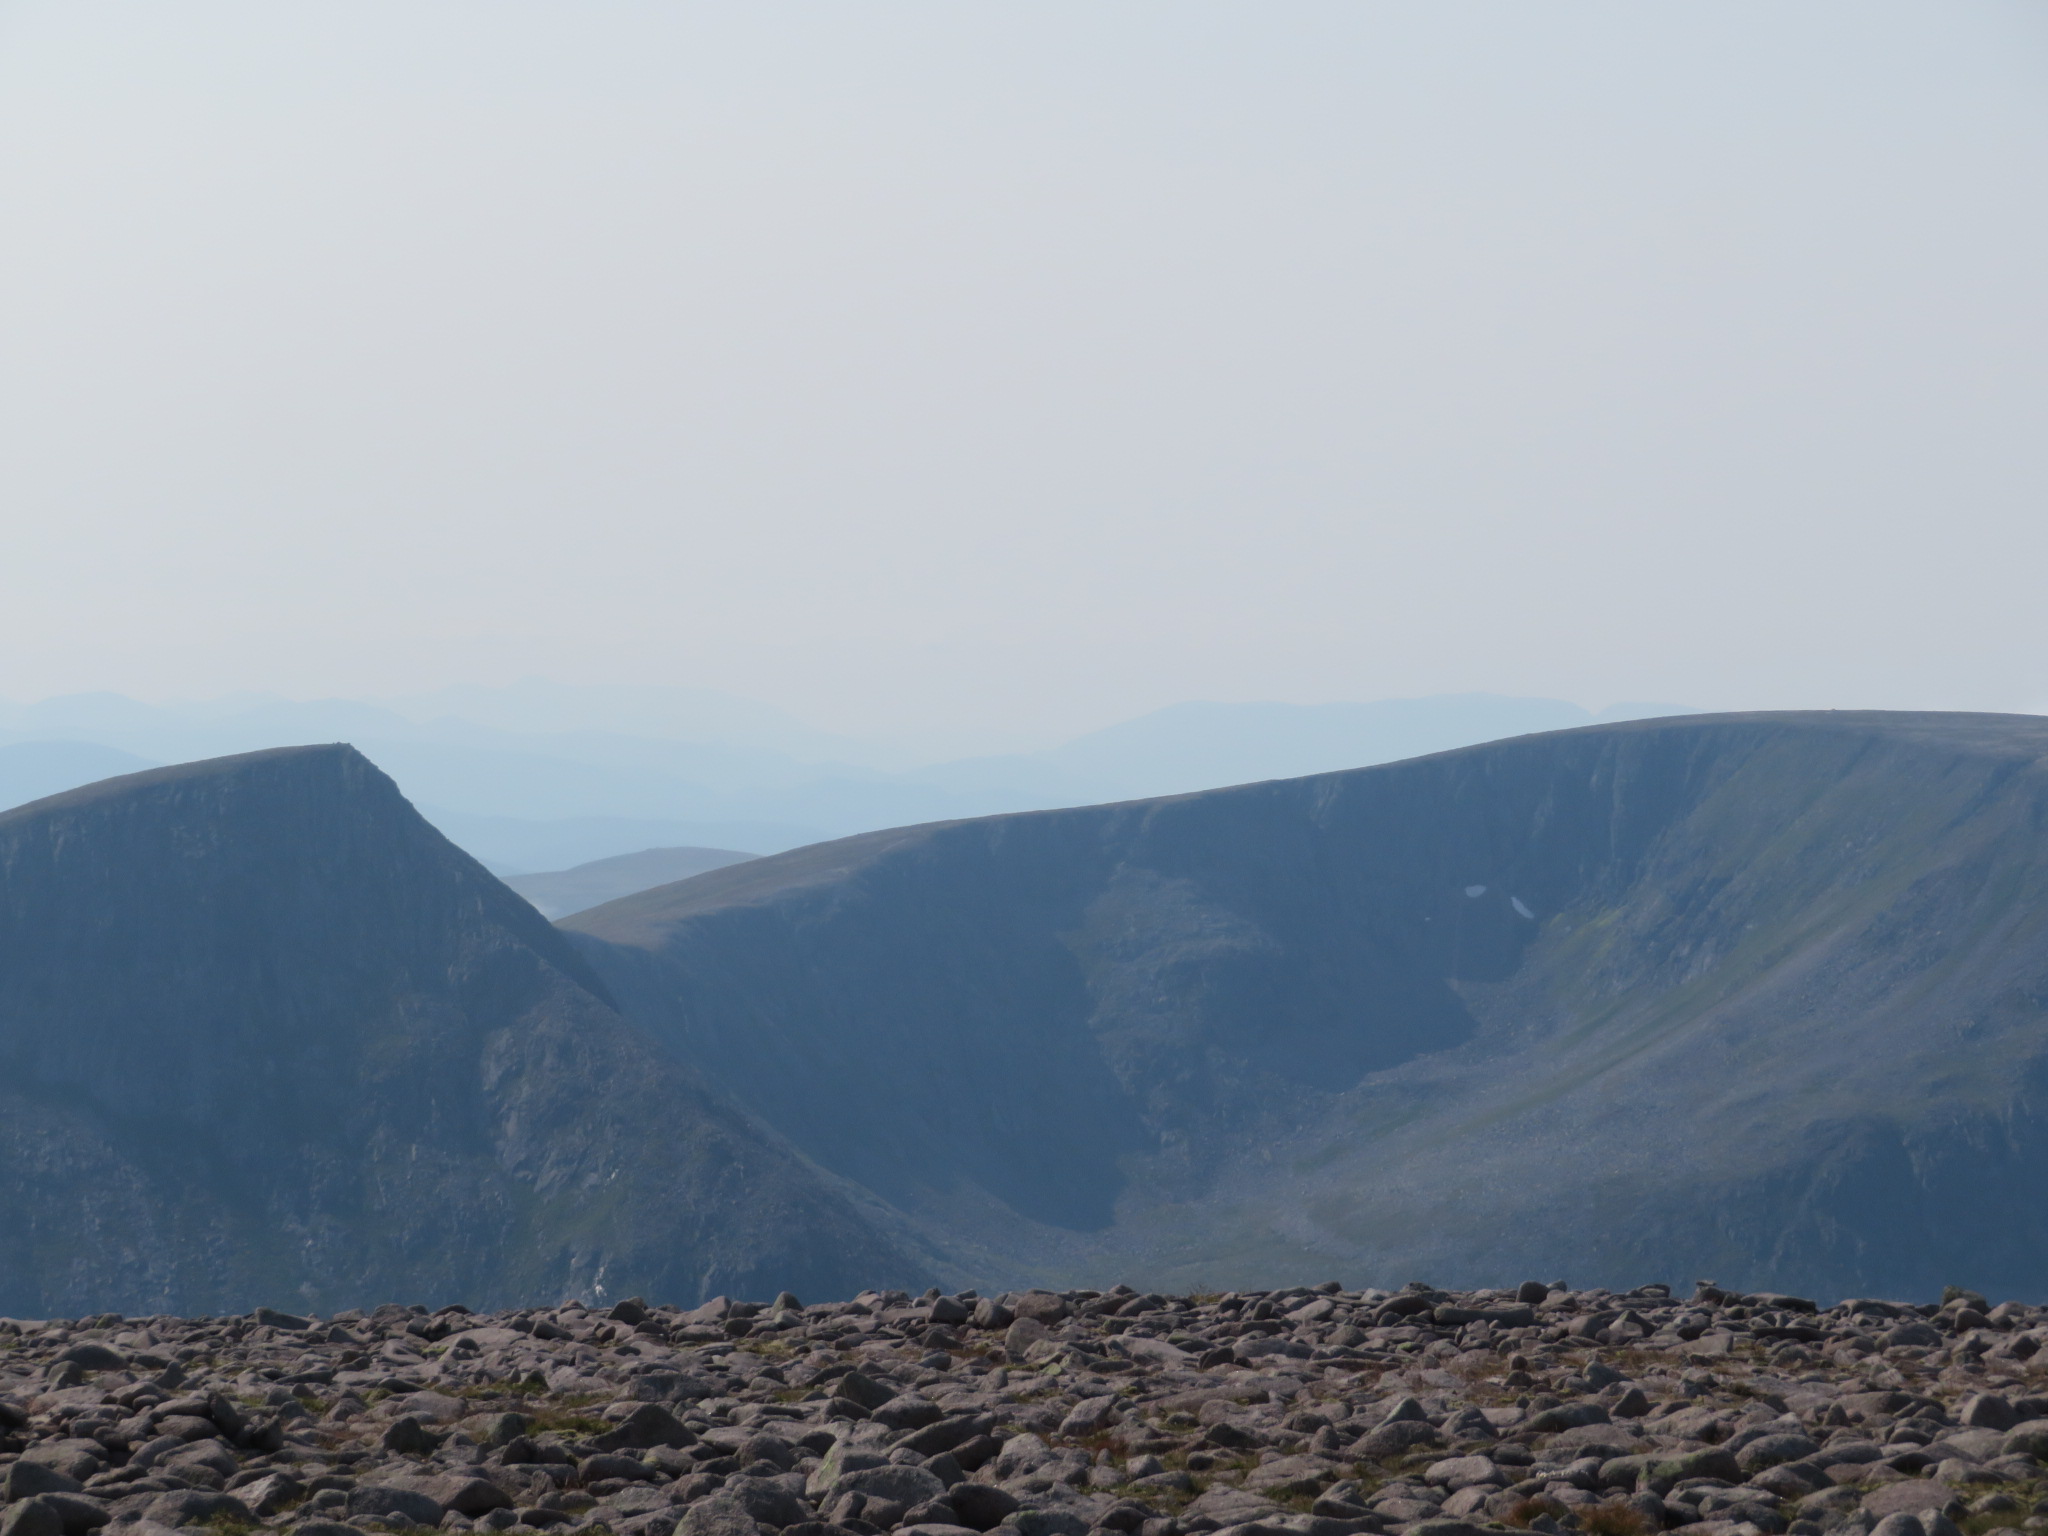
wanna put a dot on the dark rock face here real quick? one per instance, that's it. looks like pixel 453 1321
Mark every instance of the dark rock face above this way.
pixel 267 1036
pixel 1762 997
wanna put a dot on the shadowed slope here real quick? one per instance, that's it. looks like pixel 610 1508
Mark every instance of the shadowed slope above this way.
pixel 267 1036
pixel 1762 996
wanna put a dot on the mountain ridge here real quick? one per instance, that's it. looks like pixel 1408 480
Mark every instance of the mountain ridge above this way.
pixel 1761 996
pixel 1212 957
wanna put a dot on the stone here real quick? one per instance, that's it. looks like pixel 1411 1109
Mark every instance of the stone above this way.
pixel 1912 1496
pixel 841 1459
pixel 1770 1450
pixel 1605 1441
pixel 1048 1522
pixel 1986 1410
pixel 199 1506
pixel 25 1479
pixel 78 1513
pixel 862 1391
pixel 768 1500
pixel 606 1464
pixel 409 1437
pixel 1232 1506
pixel 1089 1416
pixel 270 1494
pixel 1022 1334
pixel 946 1435
pixel 646 1427
pixel 981 1506
pixel 717 1516
pixel 902 1484
pixel 1567 1416
pixel 1714 1462
pixel 33 1516
pixel 89 1356
pixel 1463 1472
pixel 1792 1480
pixel 2029 1438
pixel 1291 1475
pixel 393 1505
pixel 1396 1439
pixel 1041 1306
pixel 909 1411
pixel 468 1496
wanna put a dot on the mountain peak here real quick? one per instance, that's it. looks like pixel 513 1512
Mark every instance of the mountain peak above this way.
pixel 272 1037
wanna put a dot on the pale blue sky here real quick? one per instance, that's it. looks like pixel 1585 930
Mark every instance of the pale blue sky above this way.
pixel 1029 363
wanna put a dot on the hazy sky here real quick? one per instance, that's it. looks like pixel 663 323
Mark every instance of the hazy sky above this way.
pixel 1040 362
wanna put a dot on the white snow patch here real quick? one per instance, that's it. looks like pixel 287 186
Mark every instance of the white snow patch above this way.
pixel 1516 903
pixel 1475 890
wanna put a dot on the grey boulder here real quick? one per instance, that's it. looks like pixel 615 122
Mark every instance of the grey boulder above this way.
pixel 905 1485
pixel 26 1479
pixel 381 1501
pixel 198 1506
pixel 31 1517
pixel 718 1516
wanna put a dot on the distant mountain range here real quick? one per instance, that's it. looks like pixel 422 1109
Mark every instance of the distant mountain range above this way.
pixel 564 891
pixel 542 777
pixel 1759 998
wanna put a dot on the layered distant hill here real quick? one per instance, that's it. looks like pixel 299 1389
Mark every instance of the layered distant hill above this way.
pixel 557 893
pixel 266 1034
pixel 1757 998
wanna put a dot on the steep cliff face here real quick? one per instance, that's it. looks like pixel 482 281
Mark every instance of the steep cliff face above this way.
pixel 265 1036
pixel 1759 997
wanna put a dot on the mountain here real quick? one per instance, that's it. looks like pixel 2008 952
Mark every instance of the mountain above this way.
pixel 541 776
pixel 266 1036
pixel 31 770
pixel 512 848
pixel 1192 746
pixel 1756 997
pixel 558 893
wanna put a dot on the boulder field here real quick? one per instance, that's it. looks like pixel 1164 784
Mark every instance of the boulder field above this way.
pixel 1314 1411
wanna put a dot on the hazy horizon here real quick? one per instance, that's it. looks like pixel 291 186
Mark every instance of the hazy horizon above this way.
pixel 1004 369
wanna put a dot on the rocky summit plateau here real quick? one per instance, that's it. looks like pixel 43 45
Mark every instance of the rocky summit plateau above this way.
pixel 1313 1411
